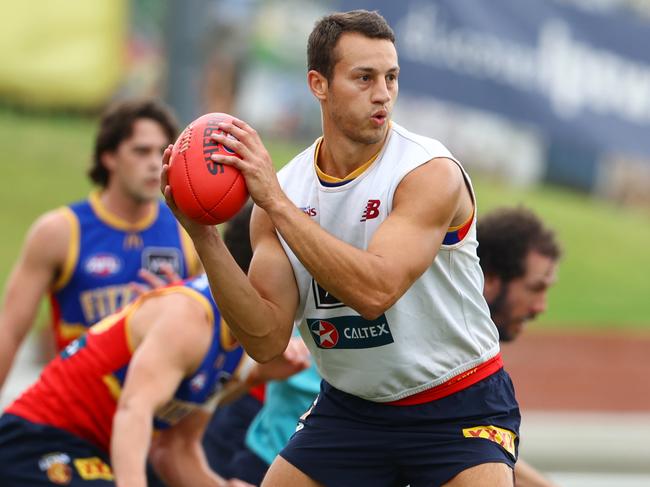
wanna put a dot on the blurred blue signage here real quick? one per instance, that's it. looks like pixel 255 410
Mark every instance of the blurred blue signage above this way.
pixel 583 78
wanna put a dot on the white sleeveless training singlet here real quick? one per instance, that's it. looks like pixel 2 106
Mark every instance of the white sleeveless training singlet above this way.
pixel 438 329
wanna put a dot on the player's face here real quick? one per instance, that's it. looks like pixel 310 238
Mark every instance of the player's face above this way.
pixel 363 88
pixel 525 297
pixel 136 162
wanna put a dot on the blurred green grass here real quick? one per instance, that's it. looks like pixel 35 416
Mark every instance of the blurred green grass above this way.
pixel 604 275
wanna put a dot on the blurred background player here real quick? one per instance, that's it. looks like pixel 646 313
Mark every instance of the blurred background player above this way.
pixel 160 363
pixel 519 257
pixel 85 255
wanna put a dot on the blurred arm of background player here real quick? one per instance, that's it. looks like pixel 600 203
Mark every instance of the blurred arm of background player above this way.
pixel 178 456
pixel 37 268
pixel 153 281
pixel 152 380
pixel 278 368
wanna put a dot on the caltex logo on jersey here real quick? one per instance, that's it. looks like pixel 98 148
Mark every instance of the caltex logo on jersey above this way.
pixel 350 332
pixel 103 265
pixel 325 333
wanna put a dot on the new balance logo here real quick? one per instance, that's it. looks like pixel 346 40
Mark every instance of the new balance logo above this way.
pixel 371 211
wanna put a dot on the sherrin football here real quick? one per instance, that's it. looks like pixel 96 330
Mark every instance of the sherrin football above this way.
pixel 203 190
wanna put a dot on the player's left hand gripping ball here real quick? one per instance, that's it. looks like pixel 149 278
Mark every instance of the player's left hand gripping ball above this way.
pixel 203 190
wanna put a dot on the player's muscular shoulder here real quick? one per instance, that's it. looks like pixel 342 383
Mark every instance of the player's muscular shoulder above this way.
pixel 170 306
pixel 49 238
pixel 435 191
pixel 180 317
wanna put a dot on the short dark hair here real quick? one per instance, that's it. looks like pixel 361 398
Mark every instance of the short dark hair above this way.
pixel 116 125
pixel 237 237
pixel 507 235
pixel 322 41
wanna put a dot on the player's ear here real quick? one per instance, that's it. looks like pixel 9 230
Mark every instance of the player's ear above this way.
pixel 108 160
pixel 492 287
pixel 318 84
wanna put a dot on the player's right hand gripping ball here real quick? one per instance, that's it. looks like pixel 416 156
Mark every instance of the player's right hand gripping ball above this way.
pixel 205 191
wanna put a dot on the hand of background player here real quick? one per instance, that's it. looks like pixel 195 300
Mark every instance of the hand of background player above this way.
pixel 152 281
pixel 193 228
pixel 294 359
pixel 254 161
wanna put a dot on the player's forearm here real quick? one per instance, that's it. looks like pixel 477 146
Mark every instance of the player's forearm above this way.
pixel 9 344
pixel 16 318
pixel 184 465
pixel 356 277
pixel 256 322
pixel 129 446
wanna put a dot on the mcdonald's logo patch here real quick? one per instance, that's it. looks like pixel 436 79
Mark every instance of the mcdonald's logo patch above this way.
pixel 93 468
pixel 502 437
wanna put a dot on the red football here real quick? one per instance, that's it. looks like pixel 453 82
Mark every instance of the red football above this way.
pixel 206 192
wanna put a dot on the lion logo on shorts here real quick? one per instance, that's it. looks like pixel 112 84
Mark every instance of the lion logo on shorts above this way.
pixel 56 467
pixel 59 473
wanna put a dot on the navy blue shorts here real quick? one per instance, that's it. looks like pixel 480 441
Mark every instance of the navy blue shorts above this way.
pixel 247 466
pixel 37 455
pixel 346 441
pixel 225 435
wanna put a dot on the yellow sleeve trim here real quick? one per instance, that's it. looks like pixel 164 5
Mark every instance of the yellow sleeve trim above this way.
pixel 129 332
pixel 73 250
pixel 113 385
pixel 192 261
pixel 115 221
pixel 228 341
pixel 466 222
pixel 70 331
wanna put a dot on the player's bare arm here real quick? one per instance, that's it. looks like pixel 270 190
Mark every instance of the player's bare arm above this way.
pixel 295 359
pixel 178 456
pixel 38 267
pixel 259 310
pixel 426 203
pixel 157 368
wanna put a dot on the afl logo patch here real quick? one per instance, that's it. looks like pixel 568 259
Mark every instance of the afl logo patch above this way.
pixel 103 265
pixel 325 334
